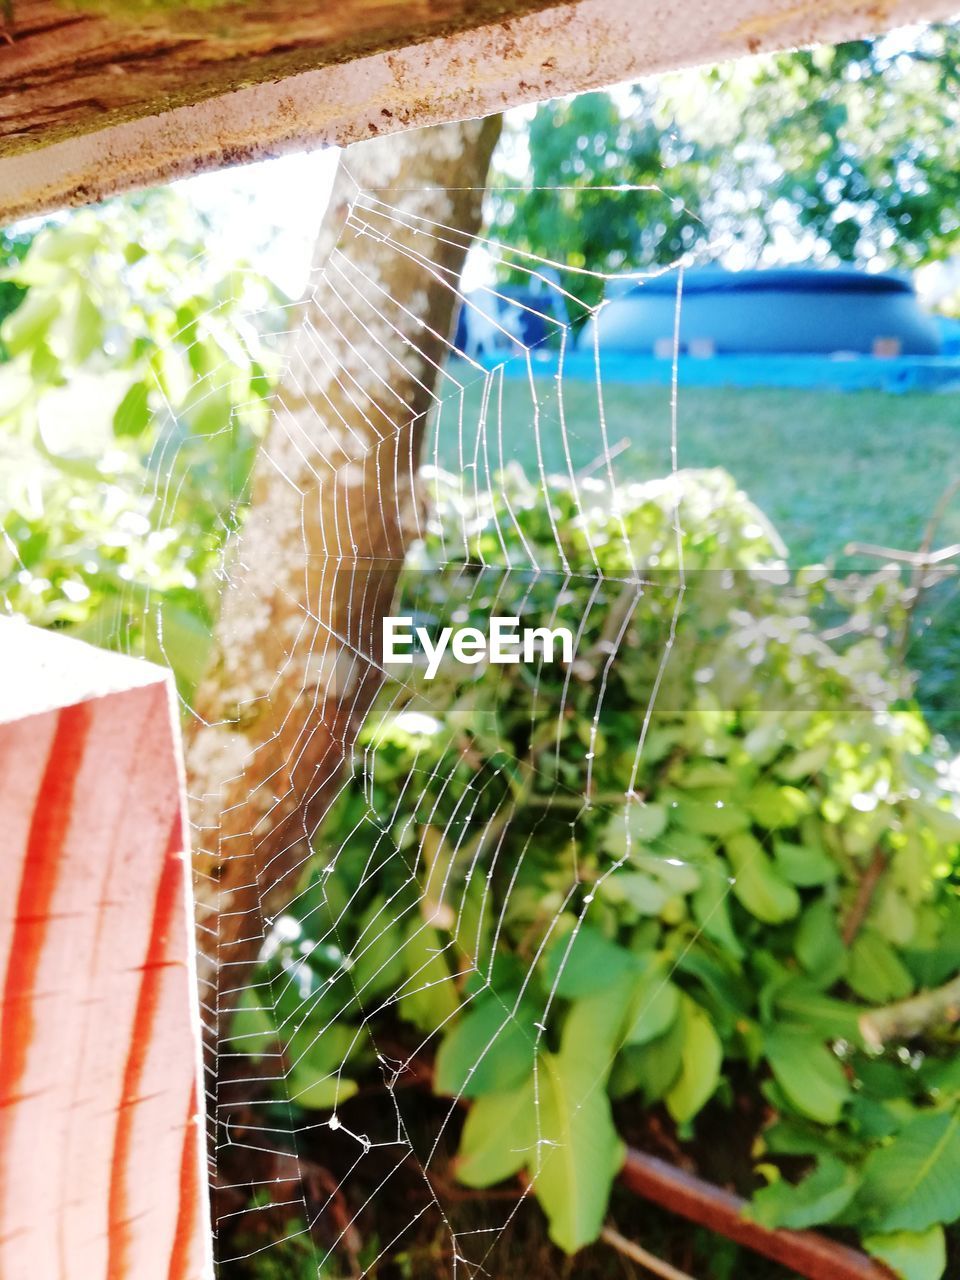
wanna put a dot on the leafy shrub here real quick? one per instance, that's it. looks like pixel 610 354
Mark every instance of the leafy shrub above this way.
pixel 131 405
pixel 769 852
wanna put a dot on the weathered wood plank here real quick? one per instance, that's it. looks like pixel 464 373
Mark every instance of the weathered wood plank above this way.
pixel 100 1136
pixel 247 83
pixel 66 70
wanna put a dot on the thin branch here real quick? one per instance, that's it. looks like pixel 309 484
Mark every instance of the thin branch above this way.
pixel 805 1253
pixel 602 459
pixel 640 1256
pixel 924 559
pixel 861 905
pixel 939 511
pixel 909 1018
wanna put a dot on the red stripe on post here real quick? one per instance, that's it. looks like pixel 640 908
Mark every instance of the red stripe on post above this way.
pixel 99 1060
pixel 185 1257
pixel 41 867
pixel 125 1222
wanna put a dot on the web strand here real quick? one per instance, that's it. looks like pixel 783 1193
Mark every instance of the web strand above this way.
pixel 450 848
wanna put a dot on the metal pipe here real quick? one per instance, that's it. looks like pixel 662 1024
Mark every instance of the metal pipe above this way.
pixel 808 1253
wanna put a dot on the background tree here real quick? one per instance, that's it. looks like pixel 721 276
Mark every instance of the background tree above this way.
pixel 578 149
pixel 131 402
pixel 848 153
pixel 294 670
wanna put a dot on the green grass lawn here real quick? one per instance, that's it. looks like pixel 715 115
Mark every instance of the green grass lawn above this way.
pixel 827 468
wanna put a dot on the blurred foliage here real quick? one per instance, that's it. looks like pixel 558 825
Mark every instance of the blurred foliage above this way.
pixel 13 246
pixel 866 134
pixel 135 392
pixel 563 210
pixel 827 467
pixel 769 852
pixel 849 153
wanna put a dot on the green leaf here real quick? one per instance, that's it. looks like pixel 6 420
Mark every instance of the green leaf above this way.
pixel 803 1003
pixel 685 845
pixel 912 1255
pixel 943 822
pixel 635 824
pixel 872 1120
pixel 700 1062
pixel 819 1198
pixel 87 333
pixel 377 954
pixel 323 1093
pixel 45 364
pixel 212 413
pixel 133 412
pixel 942 1076
pixel 818 944
pixel 475 922
pixel 709 818
pixel 791 1135
pixel 652 1067
pixel 579 1155
pixel 732 994
pixel 584 963
pixel 886 1078
pixel 428 997
pixel 65 244
pixel 645 894
pixel 875 971
pixel 593 1031
pixel 707 773
pixel 252 1027
pixel 802 766
pixel 678 876
pixel 655 1005
pixel 810 1075
pixel 711 910
pixel 932 967
pixel 29 324
pixel 499 1137
pixel 803 865
pixel 913 1182
pixel 181 640
pixel 491 1049
pixel 893 917
pixel 776 807
pixel 315 1054
pixel 757 884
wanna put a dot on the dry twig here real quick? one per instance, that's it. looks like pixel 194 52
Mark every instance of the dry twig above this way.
pixel 636 1253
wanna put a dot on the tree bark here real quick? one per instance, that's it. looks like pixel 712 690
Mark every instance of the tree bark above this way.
pixel 333 509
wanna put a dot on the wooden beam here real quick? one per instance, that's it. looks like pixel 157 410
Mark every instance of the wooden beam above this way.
pixel 170 97
pixel 101 1141
pixel 67 69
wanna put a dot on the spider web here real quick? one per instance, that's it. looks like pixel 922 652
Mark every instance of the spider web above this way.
pixel 333 1172
pixel 396 880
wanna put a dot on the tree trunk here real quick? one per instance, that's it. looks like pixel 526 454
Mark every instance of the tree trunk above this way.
pixel 334 506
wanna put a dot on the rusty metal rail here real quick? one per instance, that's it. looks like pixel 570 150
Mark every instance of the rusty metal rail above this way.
pixel 808 1253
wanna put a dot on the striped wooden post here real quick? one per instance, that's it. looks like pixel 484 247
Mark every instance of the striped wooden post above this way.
pixel 101 1134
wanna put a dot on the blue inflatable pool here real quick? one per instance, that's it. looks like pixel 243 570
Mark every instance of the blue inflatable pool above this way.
pixel 785 310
